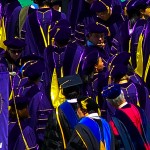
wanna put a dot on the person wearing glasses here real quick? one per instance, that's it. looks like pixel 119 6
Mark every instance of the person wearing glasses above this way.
pixel 10 58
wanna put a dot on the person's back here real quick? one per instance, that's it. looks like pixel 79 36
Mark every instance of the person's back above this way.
pixel 92 132
pixel 64 116
pixel 131 116
pixel 37 28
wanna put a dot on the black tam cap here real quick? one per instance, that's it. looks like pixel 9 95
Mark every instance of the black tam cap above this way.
pixel 112 91
pixel 89 62
pixel 136 5
pixel 101 5
pixel 121 58
pixel 33 69
pixel 21 102
pixel 61 33
pixel 15 43
pixel 97 28
pixel 118 71
pixel 70 81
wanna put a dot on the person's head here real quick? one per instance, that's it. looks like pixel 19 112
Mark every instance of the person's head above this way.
pixel 33 70
pixel 96 33
pixel 15 47
pixel 21 104
pixel 138 9
pixel 114 95
pixel 85 106
pixel 56 4
pixel 121 58
pixel 70 86
pixel 118 73
pixel 102 8
pixel 92 63
pixel 61 33
pixel 42 3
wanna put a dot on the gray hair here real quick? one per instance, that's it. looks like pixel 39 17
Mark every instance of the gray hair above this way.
pixel 118 100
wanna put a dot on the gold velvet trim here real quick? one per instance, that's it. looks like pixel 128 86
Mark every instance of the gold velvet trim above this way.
pixel 81 139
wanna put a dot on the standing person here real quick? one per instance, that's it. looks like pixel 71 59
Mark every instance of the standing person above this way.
pixel 133 117
pixel 11 57
pixel 21 135
pixel 113 19
pixel 39 106
pixel 64 118
pixel 9 7
pixel 37 27
pixel 138 13
pixel 92 132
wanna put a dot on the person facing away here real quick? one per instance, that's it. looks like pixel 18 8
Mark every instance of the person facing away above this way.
pixel 92 132
pixel 132 117
pixel 20 134
pixel 63 119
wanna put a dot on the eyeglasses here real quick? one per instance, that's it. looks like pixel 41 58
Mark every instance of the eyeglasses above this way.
pixel 14 51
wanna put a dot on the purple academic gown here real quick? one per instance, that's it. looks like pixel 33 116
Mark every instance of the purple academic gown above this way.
pixel 8 10
pixel 39 109
pixel 4 96
pixel 32 32
pixel 146 54
pixel 15 138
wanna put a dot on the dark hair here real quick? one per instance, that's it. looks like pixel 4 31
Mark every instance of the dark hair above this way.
pixel 71 92
pixel 87 104
pixel 43 2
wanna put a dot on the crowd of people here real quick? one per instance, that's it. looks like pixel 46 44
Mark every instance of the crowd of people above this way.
pixel 79 74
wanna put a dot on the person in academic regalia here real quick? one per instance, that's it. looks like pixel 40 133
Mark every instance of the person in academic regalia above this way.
pixel 92 66
pixel 37 27
pixel 17 20
pixel 133 117
pixel 55 53
pixel 112 19
pixel 138 13
pixel 63 119
pixel 11 57
pixel 39 105
pixel 92 132
pixel 146 53
pixel 96 35
pixel 9 7
pixel 134 93
pixel 20 134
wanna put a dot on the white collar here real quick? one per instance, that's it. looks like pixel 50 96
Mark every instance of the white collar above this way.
pixel 74 100
pixel 125 103
pixel 94 116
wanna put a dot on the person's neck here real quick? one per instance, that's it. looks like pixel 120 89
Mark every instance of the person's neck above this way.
pixel 123 104
pixel 45 6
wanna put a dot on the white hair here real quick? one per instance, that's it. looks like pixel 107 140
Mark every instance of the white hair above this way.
pixel 117 100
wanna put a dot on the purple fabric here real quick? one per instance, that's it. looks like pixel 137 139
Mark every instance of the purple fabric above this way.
pixel 4 92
